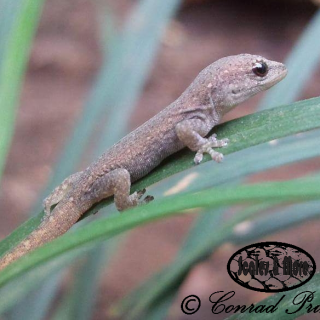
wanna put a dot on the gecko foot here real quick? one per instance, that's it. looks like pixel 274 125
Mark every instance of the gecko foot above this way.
pixel 212 142
pixel 146 200
pixel 136 198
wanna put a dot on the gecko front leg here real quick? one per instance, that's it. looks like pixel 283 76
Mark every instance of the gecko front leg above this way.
pixel 192 131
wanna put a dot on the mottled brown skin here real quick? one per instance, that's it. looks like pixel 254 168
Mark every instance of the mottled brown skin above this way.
pixel 216 90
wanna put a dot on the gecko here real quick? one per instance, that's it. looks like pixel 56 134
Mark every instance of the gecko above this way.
pixel 184 123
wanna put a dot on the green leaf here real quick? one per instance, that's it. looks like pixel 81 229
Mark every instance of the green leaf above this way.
pixel 296 190
pixel 87 279
pixel 17 289
pixel 279 220
pixel 19 20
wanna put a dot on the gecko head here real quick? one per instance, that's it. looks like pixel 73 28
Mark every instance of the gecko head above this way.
pixel 235 79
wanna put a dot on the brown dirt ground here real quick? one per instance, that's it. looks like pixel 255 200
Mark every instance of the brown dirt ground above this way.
pixel 63 63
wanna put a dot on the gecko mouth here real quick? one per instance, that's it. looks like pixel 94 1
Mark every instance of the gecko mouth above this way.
pixel 271 81
pixel 281 72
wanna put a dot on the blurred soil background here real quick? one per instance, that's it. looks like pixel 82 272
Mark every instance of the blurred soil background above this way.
pixel 64 60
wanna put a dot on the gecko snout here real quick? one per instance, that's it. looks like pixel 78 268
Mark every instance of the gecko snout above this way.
pixel 276 72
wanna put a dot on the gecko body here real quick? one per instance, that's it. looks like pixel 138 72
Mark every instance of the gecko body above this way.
pixel 184 123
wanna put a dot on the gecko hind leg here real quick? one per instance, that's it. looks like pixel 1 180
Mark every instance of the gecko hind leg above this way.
pixel 59 192
pixel 118 183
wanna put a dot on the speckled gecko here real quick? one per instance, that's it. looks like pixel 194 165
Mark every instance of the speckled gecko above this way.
pixel 186 122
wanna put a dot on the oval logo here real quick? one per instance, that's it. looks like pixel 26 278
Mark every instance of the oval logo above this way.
pixel 271 267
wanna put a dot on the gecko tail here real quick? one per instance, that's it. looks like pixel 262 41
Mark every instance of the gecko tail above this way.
pixel 60 220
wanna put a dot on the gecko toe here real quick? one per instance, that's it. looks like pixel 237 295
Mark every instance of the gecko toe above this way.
pixel 213 138
pixel 218 157
pixel 198 158
pixel 225 142
pixel 148 199
pixel 140 193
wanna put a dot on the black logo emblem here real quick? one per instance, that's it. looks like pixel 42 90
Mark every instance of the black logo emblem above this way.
pixel 271 267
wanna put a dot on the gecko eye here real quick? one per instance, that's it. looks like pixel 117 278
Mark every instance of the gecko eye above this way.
pixel 260 69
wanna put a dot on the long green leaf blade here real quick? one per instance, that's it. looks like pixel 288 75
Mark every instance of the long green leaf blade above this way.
pixel 16 40
pixel 296 190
